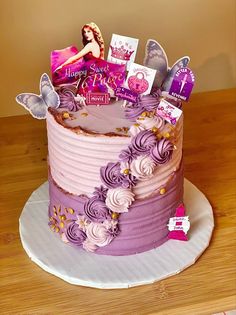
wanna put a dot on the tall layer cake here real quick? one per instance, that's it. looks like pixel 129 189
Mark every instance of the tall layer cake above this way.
pixel 114 184
pixel 115 132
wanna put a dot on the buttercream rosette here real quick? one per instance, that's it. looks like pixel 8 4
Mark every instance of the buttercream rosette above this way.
pixel 98 234
pixel 95 210
pixel 142 167
pixel 162 151
pixel 119 199
pixel 143 142
pixel 74 234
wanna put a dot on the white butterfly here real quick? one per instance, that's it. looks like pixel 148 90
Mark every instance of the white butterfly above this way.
pixel 155 58
pixel 37 104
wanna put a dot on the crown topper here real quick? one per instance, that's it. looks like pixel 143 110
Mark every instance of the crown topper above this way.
pixel 122 50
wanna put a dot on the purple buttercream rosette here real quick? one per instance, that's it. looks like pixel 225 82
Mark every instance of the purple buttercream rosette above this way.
pixel 128 155
pixel 129 181
pixel 133 111
pixel 67 98
pixel 100 192
pixel 96 210
pixel 162 151
pixel 148 102
pixel 143 142
pixel 111 175
pixel 74 234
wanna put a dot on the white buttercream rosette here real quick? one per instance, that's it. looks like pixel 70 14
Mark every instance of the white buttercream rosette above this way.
pixel 151 122
pixel 119 199
pixel 142 167
pixel 98 234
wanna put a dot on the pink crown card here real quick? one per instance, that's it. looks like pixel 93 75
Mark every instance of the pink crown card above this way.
pixel 122 50
pixel 140 79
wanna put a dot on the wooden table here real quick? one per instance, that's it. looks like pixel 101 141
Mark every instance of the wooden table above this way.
pixel 207 287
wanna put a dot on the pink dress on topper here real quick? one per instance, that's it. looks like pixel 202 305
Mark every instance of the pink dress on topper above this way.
pixel 70 73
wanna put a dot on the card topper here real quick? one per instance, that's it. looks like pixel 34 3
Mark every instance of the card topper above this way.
pixel 122 50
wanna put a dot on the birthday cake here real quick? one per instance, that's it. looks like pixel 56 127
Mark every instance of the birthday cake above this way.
pixel 115 131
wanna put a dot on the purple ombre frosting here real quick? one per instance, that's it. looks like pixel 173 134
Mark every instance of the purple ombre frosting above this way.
pixel 162 151
pixel 111 175
pixel 96 210
pixel 74 234
pixel 143 142
pixel 67 98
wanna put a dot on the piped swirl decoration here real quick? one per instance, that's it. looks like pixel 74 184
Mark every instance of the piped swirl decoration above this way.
pixel 74 234
pixel 67 96
pixel 95 210
pixel 143 142
pixel 162 151
pixel 119 199
pixel 142 167
pixel 111 175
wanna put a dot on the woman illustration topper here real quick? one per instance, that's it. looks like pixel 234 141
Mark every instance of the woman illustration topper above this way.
pixel 68 64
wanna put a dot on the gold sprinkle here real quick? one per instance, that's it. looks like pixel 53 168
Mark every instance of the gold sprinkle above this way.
pixel 71 210
pixel 162 191
pixel 55 214
pixel 118 129
pixel 136 125
pixel 167 135
pixel 154 129
pixel 59 209
pixel 144 114
pixel 57 229
pixel 51 219
pixel 175 147
pixel 125 129
pixel 52 227
pixel 84 114
pixel 62 224
pixel 114 215
pixel 66 115
pixel 63 217
pixel 126 171
pixel 54 209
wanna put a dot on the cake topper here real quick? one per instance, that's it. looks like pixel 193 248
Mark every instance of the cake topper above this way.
pixel 67 65
pixel 179 225
pixel 140 79
pixel 155 58
pixel 37 104
pixel 182 84
pixel 122 50
pixel 168 112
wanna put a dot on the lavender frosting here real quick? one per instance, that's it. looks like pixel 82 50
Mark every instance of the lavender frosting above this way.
pixel 95 210
pixel 132 112
pixel 143 142
pixel 74 234
pixel 67 98
pixel 162 151
pixel 111 175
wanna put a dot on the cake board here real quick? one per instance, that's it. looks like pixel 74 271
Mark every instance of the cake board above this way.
pixel 79 267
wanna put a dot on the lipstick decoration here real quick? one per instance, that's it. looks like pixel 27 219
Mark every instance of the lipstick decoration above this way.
pixel 179 225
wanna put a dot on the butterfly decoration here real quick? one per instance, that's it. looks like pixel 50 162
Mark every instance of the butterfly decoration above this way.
pixel 155 58
pixel 37 105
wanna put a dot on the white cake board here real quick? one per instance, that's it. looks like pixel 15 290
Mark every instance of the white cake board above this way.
pixel 76 266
